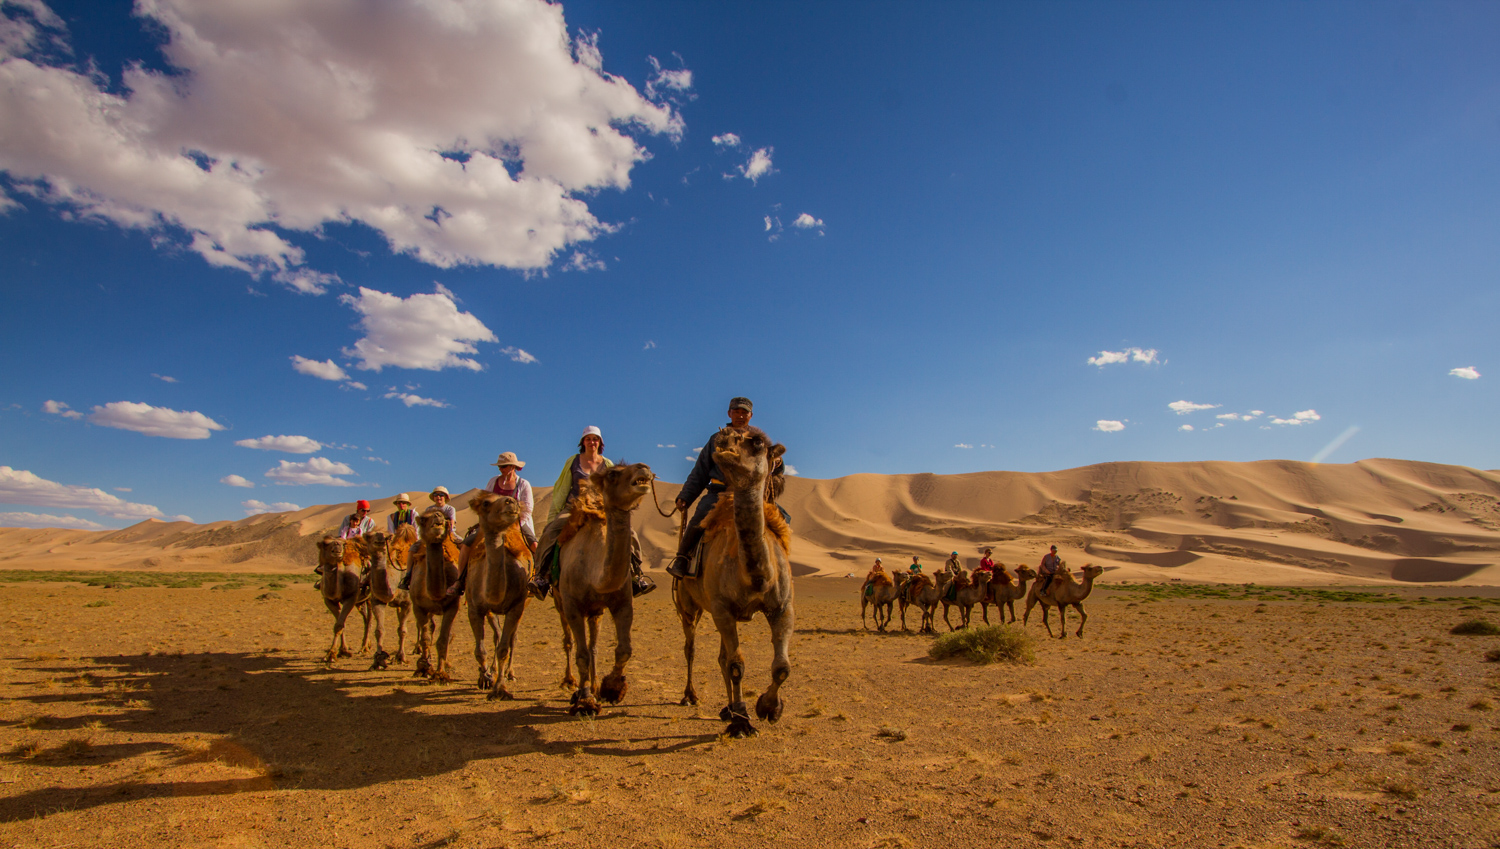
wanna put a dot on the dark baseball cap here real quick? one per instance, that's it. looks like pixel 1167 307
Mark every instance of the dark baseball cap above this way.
pixel 741 403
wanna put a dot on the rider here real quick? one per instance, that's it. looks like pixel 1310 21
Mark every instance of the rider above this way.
pixel 589 459
pixel 402 515
pixel 1048 569
pixel 954 565
pixel 707 480
pixel 915 566
pixel 508 483
pixel 439 497
pixel 871 578
pixel 355 524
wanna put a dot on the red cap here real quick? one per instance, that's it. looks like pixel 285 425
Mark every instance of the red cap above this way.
pixel 361 504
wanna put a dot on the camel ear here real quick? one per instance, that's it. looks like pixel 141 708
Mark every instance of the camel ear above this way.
pixel 777 450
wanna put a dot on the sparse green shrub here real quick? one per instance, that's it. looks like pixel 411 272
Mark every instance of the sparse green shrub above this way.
pixel 986 645
pixel 1476 627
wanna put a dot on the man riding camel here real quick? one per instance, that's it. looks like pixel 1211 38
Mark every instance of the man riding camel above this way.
pixel 1048 569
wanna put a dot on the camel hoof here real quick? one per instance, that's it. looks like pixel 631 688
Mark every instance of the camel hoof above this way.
pixel 768 707
pixel 328 658
pixel 424 668
pixel 345 653
pixel 612 689
pixel 501 695
pixel 726 714
pixel 510 676
pixel 442 678
pixel 688 698
pixel 583 705
pixel 400 657
pixel 486 681
pixel 568 683
pixel 381 661
pixel 740 728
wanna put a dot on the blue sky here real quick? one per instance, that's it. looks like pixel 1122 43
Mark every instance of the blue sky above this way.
pixel 922 237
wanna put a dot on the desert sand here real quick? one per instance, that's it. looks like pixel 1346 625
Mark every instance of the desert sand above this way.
pixel 1339 710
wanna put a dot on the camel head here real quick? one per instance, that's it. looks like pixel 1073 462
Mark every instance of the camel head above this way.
pixel 495 512
pixel 330 552
pixel 377 543
pixel 982 577
pixel 1090 571
pixel 433 525
pixel 622 487
pixel 745 457
pixel 1025 572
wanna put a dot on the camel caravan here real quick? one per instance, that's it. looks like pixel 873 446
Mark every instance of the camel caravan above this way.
pixel 733 562
pixel 954 588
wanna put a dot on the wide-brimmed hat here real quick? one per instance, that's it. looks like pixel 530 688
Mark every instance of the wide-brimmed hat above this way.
pixel 439 489
pixel 400 497
pixel 508 459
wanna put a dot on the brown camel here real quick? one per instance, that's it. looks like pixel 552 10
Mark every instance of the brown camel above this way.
pixel 340 561
pixel 384 591
pixel 498 574
pixel 594 548
pixel 970 590
pixel 434 568
pixel 926 596
pixel 745 570
pixel 907 587
pixel 1004 594
pixel 1065 591
pixel 881 594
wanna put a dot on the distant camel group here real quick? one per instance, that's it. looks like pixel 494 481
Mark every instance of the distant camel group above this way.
pixel 883 596
pixel 746 569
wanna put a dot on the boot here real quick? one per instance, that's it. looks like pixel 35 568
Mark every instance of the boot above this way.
pixel 681 565
pixel 405 580
pixel 539 587
pixel 640 583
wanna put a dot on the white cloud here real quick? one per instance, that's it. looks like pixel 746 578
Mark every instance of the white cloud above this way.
pixel 807 222
pixel 154 421
pixel 518 355
pixel 1108 425
pixel 963 445
pixel 378 460
pixel 1257 412
pixel 236 480
pixel 665 82
pixel 47 520
pixel 164 378
pixel 726 140
pixel 759 164
pixel 463 132
pixel 354 384
pixel 1139 355
pixel 768 223
pixel 256 508
pixel 1239 417
pixel 326 369
pixel 1298 418
pixel 1182 408
pixel 122 489
pixel 289 444
pixel 1465 372
pixel 411 400
pixel 581 261
pixel 58 408
pixel 697 450
pixel 791 470
pixel 1186 427
pixel 649 345
pixel 420 332
pixel 318 470
pixel 18 486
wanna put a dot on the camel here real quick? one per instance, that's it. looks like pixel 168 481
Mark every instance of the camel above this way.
pixel 745 570
pixel 340 561
pixel 882 595
pixel 594 548
pixel 1065 591
pixel 498 574
pixel 1004 594
pixel 969 592
pixel 434 567
pixel 384 578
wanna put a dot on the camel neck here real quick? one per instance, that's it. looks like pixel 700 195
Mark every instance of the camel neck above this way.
pixel 434 575
pixel 616 549
pixel 750 524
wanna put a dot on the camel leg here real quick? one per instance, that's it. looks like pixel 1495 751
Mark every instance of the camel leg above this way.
pixel 336 648
pixel 1062 619
pixel 401 614
pixel 769 705
pixel 584 703
pixel 1030 603
pixel 732 664
pixel 377 614
pixel 946 609
pixel 612 689
pixel 445 634
pixel 864 602
pixel 568 681
pixel 1047 624
pixel 984 611
pixel 424 642
pixel 505 649
pixel 689 620
pixel 903 615
pixel 1083 617
pixel 476 624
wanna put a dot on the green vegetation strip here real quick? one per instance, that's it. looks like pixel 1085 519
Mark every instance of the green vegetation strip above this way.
pixel 1242 592
pixel 174 580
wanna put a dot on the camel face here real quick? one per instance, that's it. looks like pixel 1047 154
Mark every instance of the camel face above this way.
pixel 433 526
pixel 330 551
pixel 623 486
pixel 745 457
pixel 495 511
pixel 376 543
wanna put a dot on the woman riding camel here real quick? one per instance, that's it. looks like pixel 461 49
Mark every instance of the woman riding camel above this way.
pixel 439 497
pixel 402 515
pixel 875 572
pixel 508 483
pixel 589 459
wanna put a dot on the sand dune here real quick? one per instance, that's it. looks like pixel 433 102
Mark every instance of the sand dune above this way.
pixel 1274 521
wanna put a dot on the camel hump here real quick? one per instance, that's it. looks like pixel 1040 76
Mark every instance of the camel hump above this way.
pixel 585 507
pixel 515 543
pixel 880 578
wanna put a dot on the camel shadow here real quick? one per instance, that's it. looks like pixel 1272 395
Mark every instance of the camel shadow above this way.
pixel 288 723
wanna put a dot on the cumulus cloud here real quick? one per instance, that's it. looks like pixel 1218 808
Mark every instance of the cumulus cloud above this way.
pixel 58 408
pixel 807 222
pixel 47 520
pixel 1186 427
pixel 289 444
pixel 420 332
pixel 1139 355
pixel 236 480
pixel 665 82
pixel 1239 417
pixel 318 470
pixel 581 261
pixel 1465 372
pixel 326 369
pixel 963 445
pixel 791 470
pixel 256 508
pixel 463 132
pixel 1108 425
pixel 759 164
pixel 18 486
pixel 726 140
pixel 518 355
pixel 411 400
pixel 1298 418
pixel 1182 408
pixel 154 421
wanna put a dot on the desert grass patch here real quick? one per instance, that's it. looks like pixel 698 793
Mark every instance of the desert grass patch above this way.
pixel 1401 788
pixel 1492 656
pixel 992 644
pixel 891 733
pixel 129 580
pixel 1476 628
pixel 103 602
pixel 1320 834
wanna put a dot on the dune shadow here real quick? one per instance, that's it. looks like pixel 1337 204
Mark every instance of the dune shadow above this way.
pixel 285 723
